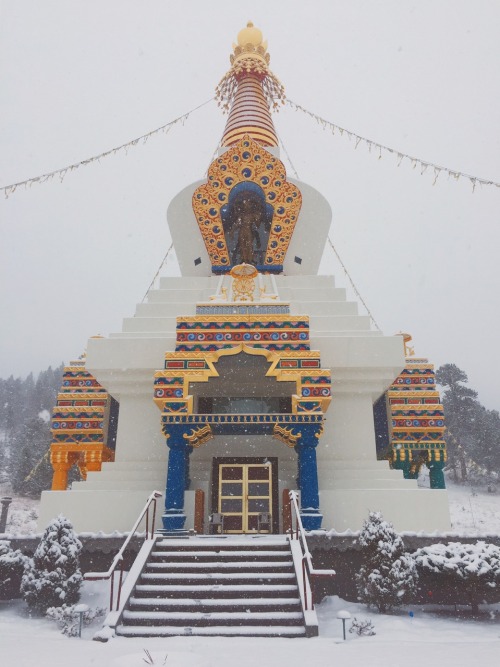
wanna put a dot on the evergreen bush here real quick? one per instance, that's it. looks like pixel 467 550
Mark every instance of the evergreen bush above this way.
pixel 387 577
pixel 362 628
pixel 12 564
pixel 53 575
pixel 68 620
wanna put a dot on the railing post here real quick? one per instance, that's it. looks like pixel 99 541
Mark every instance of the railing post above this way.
pixel 111 591
pixel 308 571
pixel 304 582
pixel 154 519
pixel 118 559
pixel 120 583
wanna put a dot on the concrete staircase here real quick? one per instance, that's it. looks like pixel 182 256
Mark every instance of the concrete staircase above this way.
pixel 223 586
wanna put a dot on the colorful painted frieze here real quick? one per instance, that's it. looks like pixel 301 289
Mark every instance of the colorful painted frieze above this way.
pixel 211 332
pixel 416 421
pixel 80 425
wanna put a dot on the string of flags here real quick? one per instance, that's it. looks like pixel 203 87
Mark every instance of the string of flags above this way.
pixel 356 291
pixel 346 272
pixel 374 146
pixel 157 273
pixel 380 149
pixel 61 173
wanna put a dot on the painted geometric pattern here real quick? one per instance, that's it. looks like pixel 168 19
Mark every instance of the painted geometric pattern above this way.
pixel 81 410
pixel 243 309
pixel 247 161
pixel 81 406
pixel 219 419
pixel 412 378
pixel 209 333
pixel 313 383
pixel 416 415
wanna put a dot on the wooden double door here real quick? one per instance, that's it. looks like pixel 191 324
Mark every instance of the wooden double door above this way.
pixel 244 489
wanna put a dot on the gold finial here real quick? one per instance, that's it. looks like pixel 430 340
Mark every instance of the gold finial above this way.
pixel 251 50
pixel 250 35
pixel 409 351
pixel 250 57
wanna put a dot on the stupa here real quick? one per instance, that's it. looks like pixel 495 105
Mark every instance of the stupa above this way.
pixel 250 374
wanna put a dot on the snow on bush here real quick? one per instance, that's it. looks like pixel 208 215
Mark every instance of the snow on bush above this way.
pixel 473 569
pixel 53 575
pixel 387 577
pixel 68 620
pixel 362 628
pixel 12 565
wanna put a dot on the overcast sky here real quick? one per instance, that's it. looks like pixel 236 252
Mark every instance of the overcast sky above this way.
pixel 80 77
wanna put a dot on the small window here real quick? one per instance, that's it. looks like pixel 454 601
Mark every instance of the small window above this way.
pixel 240 405
pixel 298 260
pixel 197 261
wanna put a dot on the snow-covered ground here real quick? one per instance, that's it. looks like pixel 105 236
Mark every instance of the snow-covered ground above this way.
pixel 23 515
pixel 473 510
pixel 431 637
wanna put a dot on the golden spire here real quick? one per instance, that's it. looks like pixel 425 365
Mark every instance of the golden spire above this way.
pixel 249 90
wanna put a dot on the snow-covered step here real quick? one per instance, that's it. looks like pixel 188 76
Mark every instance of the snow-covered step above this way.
pixel 212 618
pixel 250 542
pixel 328 308
pixel 212 631
pixel 237 586
pixel 219 589
pixel 235 566
pixel 221 555
pixel 219 577
pixel 208 603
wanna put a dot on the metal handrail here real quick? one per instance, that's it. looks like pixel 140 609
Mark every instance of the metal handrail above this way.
pixel 308 570
pixel 118 559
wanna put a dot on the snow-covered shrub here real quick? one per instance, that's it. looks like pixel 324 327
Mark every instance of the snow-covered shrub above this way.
pixel 362 628
pixel 471 570
pixel 53 575
pixel 12 565
pixel 387 577
pixel 68 620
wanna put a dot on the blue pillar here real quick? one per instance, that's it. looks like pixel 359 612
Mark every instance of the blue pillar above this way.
pixel 308 477
pixel 174 517
pixel 187 478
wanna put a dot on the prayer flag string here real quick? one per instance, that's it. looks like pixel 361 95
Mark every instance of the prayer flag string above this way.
pixel 379 149
pixel 43 178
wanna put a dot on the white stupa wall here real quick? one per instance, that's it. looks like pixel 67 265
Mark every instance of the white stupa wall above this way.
pixel 363 364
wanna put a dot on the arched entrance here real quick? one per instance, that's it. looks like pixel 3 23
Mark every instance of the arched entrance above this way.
pixel 241 398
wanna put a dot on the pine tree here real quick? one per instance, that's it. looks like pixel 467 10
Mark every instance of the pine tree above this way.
pixel 473 432
pixel 460 407
pixel 24 431
pixel 387 577
pixel 30 476
pixel 486 451
pixel 53 575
